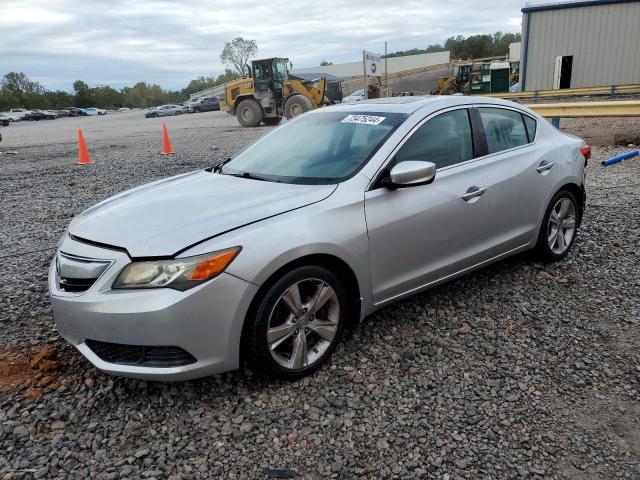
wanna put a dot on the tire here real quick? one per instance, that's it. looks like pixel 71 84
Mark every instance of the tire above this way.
pixel 298 334
pixel 553 246
pixel 272 121
pixel 196 110
pixel 249 113
pixel 296 105
pixel 178 112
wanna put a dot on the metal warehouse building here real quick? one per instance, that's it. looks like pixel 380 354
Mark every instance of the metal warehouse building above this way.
pixel 580 44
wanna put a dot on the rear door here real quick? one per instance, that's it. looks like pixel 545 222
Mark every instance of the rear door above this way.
pixel 421 234
pixel 521 175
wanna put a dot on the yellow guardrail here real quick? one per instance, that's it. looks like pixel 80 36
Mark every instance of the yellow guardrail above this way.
pixel 587 109
pixel 612 91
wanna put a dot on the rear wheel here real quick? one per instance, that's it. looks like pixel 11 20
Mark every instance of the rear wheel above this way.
pixel 297 324
pixel 178 112
pixel 297 105
pixel 559 226
pixel 249 113
pixel 272 121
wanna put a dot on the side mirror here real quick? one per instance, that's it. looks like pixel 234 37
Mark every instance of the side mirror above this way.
pixel 411 173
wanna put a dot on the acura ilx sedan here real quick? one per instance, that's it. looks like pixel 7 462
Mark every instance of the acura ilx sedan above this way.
pixel 267 257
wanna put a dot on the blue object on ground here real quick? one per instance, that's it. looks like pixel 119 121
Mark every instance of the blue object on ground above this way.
pixel 621 157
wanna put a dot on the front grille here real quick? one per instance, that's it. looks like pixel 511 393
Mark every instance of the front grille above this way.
pixel 77 274
pixel 141 355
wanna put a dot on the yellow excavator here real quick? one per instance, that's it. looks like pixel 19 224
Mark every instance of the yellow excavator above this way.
pixel 268 93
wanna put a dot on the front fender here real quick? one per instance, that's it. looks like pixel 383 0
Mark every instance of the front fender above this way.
pixel 330 227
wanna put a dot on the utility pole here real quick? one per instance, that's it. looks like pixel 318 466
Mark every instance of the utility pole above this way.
pixel 386 71
pixel 366 77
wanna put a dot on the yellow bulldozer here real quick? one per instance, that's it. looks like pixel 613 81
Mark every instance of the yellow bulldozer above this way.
pixel 268 93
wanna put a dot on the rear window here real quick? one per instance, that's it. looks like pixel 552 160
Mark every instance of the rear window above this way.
pixel 504 129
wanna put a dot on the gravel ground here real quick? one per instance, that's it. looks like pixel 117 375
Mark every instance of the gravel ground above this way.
pixel 520 370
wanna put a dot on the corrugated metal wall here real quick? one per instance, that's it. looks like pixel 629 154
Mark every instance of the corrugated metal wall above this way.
pixel 603 39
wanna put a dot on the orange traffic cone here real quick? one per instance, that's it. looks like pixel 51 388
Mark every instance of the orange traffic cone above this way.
pixel 83 153
pixel 166 143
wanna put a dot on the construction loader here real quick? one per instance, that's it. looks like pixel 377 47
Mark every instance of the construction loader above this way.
pixel 268 93
pixel 455 83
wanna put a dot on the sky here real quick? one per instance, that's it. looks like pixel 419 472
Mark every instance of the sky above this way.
pixel 118 43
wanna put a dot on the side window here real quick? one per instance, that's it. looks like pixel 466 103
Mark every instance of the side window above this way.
pixel 504 129
pixel 444 140
pixel 531 125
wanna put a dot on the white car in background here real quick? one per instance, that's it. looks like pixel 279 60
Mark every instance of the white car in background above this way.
pixel 356 96
pixel 17 114
pixel 94 111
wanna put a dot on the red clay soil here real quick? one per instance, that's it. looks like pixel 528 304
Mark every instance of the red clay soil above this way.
pixel 21 367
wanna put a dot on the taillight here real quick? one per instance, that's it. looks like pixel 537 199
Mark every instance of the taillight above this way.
pixel 586 153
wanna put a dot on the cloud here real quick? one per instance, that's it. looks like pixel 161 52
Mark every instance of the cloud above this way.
pixel 120 42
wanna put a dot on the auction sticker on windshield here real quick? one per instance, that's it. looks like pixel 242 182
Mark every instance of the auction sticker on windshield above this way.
pixel 363 119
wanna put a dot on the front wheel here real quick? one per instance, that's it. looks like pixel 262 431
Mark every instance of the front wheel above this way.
pixel 559 226
pixel 249 113
pixel 296 105
pixel 297 324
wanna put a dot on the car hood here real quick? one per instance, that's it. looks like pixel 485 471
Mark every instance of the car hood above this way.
pixel 163 218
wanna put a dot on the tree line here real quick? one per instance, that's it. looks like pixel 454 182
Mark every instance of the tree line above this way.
pixel 18 91
pixel 475 46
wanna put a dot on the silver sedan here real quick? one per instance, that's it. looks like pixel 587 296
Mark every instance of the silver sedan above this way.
pixel 269 256
pixel 166 110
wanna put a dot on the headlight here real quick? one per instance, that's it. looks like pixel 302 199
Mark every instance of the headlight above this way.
pixel 179 274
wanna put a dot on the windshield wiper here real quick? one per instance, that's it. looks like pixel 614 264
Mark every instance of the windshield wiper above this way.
pixel 249 175
pixel 217 168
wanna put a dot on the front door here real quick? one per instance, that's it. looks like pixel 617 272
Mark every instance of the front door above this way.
pixel 419 235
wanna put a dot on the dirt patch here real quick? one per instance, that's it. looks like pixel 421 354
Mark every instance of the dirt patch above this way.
pixel 36 368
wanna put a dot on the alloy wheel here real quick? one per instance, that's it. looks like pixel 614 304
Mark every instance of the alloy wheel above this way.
pixel 303 324
pixel 562 226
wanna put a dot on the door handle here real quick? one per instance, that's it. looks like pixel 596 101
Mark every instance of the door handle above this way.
pixel 544 166
pixel 473 192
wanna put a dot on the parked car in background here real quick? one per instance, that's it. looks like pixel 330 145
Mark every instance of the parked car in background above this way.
pixel 206 104
pixel 166 110
pixel 356 96
pixel 17 114
pixel 76 112
pixel 386 197
pixel 40 115
pixel 4 120
pixel 124 109
pixel 94 111
pixel 63 113
pixel 52 112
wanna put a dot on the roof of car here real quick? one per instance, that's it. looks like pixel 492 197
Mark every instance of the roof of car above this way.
pixel 411 104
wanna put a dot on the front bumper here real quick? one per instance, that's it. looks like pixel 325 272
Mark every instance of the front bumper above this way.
pixel 205 321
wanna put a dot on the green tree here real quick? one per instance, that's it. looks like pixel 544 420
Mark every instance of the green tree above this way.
pixel 237 53
pixel 18 83
pixel 83 98
pixel 324 63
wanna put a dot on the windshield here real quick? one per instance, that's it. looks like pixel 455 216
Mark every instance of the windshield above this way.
pixel 318 148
